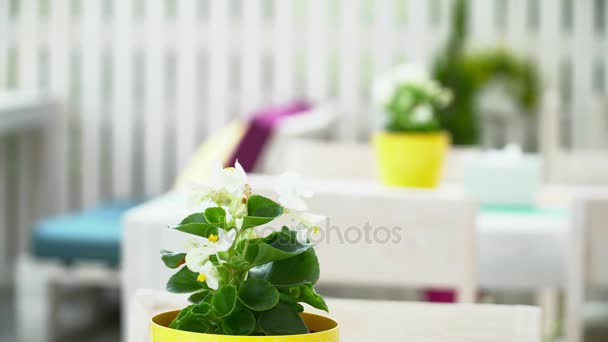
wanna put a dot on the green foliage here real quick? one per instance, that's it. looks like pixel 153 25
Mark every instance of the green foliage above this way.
pixel 466 74
pixel 261 280
pixel 407 101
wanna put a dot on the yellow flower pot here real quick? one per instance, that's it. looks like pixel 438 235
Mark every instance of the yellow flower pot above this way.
pixel 410 159
pixel 324 330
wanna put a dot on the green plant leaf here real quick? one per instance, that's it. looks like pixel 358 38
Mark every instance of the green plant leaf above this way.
pixel 175 323
pixel 172 260
pixel 184 281
pixel 198 229
pixel 240 322
pixel 277 246
pixel 194 218
pixel 299 270
pixel 224 300
pixel 283 319
pixel 258 294
pixel 216 215
pixel 261 210
pixel 201 309
pixel 199 296
pixel 309 296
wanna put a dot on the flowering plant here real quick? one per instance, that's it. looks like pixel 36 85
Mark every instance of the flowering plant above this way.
pixel 242 283
pixel 410 97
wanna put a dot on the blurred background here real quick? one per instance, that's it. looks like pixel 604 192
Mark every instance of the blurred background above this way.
pixel 106 104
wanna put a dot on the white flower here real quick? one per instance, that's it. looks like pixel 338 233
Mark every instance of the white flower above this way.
pixel 225 184
pixel 310 222
pixel 385 85
pixel 422 113
pixel 291 194
pixel 198 252
pixel 209 274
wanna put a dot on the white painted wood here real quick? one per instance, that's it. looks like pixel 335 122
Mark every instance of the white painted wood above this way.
pixel 4 198
pixel 123 109
pixel 186 91
pixel 283 54
pixel 59 88
pixel 587 257
pixel 154 104
pixel 219 53
pixel 26 178
pixel 91 109
pixel 349 69
pixel 317 47
pixel 363 320
pixel 582 62
pixel 251 63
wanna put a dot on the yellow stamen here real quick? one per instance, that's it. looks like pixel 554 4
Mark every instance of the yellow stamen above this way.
pixel 213 238
pixel 315 230
pixel 201 278
pixel 229 168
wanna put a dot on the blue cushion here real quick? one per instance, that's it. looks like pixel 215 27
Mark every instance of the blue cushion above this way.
pixel 93 234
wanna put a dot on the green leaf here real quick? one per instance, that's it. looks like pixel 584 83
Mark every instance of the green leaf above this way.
pixel 199 229
pixel 240 322
pixel 309 296
pixel 216 215
pixel 224 300
pixel 258 294
pixel 175 323
pixel 172 260
pixel 261 210
pixel 276 246
pixel 199 296
pixel 201 309
pixel 299 270
pixel 283 319
pixel 194 218
pixel 184 281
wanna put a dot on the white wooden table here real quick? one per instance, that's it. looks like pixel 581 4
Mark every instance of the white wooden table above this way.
pixel 22 116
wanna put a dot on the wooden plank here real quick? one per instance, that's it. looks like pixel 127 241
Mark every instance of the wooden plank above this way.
pixel 26 177
pixel 4 243
pixel 186 92
pixel 59 88
pixel 582 61
pixel 154 104
pixel 284 47
pixel 123 103
pixel 219 42
pixel 349 66
pixel 251 61
pixel 317 85
pixel 91 103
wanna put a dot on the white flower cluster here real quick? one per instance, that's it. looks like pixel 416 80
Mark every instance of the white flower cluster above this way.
pixel 228 188
pixel 385 89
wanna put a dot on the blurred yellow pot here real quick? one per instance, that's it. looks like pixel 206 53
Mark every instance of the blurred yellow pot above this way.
pixel 325 330
pixel 410 159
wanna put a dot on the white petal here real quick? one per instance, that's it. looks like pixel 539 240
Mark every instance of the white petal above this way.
pixel 196 260
pixel 422 114
pixel 293 202
pixel 311 220
pixel 211 275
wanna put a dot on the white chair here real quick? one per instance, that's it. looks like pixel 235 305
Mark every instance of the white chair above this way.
pixel 387 321
pixel 587 266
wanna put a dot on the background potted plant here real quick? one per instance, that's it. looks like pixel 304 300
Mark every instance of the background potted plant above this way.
pixel 244 286
pixel 411 149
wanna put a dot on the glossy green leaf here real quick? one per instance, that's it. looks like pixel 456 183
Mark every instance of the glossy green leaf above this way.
pixel 224 300
pixel 194 218
pixel 199 229
pixel 258 294
pixel 240 322
pixel 277 246
pixel 299 270
pixel 199 297
pixel 283 319
pixel 261 210
pixel 184 281
pixel 309 296
pixel 201 309
pixel 172 260
pixel 216 215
